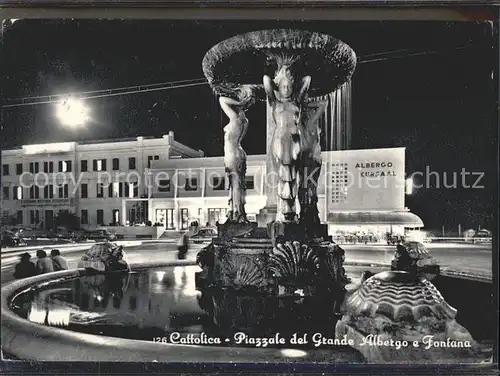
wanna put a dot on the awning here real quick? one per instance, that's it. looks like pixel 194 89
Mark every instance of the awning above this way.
pixel 376 218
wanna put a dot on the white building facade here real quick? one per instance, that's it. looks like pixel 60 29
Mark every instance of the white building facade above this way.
pixel 121 182
pixel 102 182
pixel 359 191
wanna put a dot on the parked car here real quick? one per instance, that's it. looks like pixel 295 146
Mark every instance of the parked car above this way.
pixel 203 235
pixel 32 233
pixel 482 236
pixel 10 239
pixel 100 235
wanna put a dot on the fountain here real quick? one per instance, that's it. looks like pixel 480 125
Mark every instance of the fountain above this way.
pixel 288 252
pixel 288 255
pixel 275 291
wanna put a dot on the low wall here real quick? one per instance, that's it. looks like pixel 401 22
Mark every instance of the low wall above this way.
pixel 30 341
pixel 136 232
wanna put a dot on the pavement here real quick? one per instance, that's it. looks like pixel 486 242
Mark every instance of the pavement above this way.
pixel 469 259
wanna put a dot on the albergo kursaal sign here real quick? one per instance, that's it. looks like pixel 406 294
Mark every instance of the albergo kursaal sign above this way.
pixel 375 169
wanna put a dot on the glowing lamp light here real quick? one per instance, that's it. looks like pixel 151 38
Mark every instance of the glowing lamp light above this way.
pixel 160 275
pixel 73 112
pixel 409 186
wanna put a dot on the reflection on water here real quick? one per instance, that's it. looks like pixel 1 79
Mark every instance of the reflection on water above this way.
pixel 152 300
pixel 156 303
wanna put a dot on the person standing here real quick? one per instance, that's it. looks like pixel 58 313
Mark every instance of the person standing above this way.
pixel 25 268
pixel 44 264
pixel 182 246
pixel 58 262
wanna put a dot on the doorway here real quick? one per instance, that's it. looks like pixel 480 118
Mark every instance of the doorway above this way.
pixel 49 219
pixel 116 216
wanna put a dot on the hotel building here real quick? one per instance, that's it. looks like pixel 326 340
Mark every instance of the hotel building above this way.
pixel 163 181
pixel 91 179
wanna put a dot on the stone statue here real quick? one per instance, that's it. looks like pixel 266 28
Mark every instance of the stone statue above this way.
pixel 310 160
pixel 285 148
pixel 234 155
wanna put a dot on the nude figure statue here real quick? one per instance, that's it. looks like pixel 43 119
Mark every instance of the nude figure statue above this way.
pixel 234 155
pixel 310 160
pixel 285 102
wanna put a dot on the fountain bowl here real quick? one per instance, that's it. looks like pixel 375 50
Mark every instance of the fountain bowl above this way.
pixel 28 340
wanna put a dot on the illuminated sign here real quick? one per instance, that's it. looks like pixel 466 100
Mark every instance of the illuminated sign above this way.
pixel 365 180
pixel 54 148
pixel 376 169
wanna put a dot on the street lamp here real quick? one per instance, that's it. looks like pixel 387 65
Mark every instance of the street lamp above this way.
pixel 73 112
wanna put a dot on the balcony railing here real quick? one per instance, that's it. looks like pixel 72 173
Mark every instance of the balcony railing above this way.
pixel 48 202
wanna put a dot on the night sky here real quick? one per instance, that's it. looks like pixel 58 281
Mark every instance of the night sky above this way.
pixel 428 86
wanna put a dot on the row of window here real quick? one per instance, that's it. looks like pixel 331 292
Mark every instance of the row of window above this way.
pixel 163 216
pixel 127 190
pixel 66 166
pixel 218 184
pixel 115 190
pixel 49 191
pixel 167 219
pixel 36 216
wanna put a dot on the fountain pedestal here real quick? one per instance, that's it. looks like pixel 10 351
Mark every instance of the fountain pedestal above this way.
pixel 281 261
pixel 253 281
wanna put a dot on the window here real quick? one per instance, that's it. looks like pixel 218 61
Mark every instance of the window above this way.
pixel 34 192
pixel 164 185
pixel 34 217
pixel 339 183
pixel 249 180
pixel 19 217
pixel 17 193
pixel 131 190
pixel 166 218
pixel 115 190
pixel 218 183
pixel 170 219
pixel 6 192
pixel 84 191
pixel 84 165
pixel 64 191
pixel 48 191
pixel 34 167
pixel 100 190
pixel 19 168
pixel 100 217
pixel 84 217
pixel 99 165
pixel 64 166
pixel 132 304
pixel 5 170
pixel 116 164
pixel 184 219
pixel 131 163
pixel 191 184
pixel 116 216
pixel 217 215
pixel 48 167
pixel 151 158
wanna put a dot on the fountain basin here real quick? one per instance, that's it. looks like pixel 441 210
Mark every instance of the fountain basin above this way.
pixel 37 325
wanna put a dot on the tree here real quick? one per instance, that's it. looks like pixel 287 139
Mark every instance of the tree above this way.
pixel 68 220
